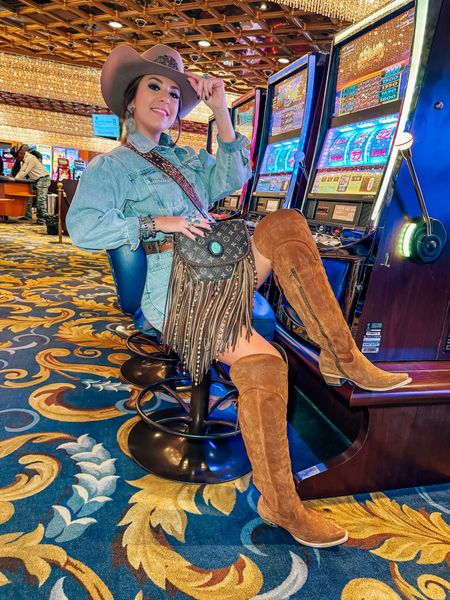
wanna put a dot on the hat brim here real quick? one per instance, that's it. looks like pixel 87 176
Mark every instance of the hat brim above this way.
pixel 125 64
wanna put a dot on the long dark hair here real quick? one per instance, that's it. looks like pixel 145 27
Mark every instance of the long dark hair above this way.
pixel 128 98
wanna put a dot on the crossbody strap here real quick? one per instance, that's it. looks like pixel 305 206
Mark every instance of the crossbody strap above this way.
pixel 169 169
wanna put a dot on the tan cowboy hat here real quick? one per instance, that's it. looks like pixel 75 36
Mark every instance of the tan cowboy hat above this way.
pixel 124 64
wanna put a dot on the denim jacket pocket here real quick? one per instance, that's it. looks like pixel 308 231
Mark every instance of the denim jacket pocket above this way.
pixel 164 193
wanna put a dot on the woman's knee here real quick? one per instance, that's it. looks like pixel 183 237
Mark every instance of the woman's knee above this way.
pixel 256 344
pixel 262 264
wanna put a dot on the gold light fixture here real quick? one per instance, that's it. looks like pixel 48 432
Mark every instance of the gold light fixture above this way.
pixel 59 81
pixel 346 10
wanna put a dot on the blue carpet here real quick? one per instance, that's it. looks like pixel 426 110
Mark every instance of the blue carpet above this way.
pixel 80 520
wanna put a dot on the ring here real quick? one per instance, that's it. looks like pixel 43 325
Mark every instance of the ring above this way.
pixel 205 75
pixel 196 221
pixel 188 219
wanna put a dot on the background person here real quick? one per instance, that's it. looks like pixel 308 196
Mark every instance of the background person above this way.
pixel 32 168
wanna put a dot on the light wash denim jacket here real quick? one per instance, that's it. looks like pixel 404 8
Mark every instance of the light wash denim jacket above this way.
pixel 120 186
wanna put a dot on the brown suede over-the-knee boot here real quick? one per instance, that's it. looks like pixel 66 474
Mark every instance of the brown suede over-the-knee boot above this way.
pixel 285 238
pixel 262 382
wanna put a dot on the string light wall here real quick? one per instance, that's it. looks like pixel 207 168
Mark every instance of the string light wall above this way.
pixel 59 81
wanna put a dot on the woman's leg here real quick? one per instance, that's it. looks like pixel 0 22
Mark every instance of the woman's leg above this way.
pixel 255 345
pixel 284 239
pixel 261 377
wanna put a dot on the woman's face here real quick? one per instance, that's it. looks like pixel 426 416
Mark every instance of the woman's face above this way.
pixel 157 102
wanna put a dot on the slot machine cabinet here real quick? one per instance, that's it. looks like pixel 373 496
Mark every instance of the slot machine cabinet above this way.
pixel 290 121
pixel 211 140
pixel 247 118
pixel 79 168
pixel 63 171
pixel 8 161
pixel 359 201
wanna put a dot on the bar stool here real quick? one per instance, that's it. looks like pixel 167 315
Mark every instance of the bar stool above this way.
pixel 187 442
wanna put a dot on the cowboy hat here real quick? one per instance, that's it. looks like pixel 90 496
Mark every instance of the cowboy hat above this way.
pixel 125 64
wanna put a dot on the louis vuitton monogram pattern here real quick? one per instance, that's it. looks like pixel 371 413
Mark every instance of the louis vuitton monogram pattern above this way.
pixel 231 235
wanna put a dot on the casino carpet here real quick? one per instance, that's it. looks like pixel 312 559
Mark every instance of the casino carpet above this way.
pixel 79 519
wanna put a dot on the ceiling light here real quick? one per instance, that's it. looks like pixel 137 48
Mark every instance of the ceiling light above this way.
pixel 347 10
pixel 263 6
pixel 204 43
pixel 115 24
pixel 283 61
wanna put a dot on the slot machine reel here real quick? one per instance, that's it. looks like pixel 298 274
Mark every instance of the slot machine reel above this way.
pixel 423 238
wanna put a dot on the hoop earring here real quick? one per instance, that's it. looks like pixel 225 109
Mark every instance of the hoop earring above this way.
pixel 172 144
pixel 130 123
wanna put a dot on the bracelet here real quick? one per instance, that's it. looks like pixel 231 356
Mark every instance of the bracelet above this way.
pixel 147 227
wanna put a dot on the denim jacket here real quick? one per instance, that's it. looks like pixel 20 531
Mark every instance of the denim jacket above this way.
pixel 119 187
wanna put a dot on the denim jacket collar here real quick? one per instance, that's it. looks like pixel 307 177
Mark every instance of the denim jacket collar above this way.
pixel 145 144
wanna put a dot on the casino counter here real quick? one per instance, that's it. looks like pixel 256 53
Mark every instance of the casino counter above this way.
pixel 15 193
pixel 14 196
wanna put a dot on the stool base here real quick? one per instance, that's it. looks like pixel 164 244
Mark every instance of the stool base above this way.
pixel 190 460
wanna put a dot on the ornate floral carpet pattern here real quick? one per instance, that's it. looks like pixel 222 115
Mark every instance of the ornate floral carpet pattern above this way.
pixel 79 519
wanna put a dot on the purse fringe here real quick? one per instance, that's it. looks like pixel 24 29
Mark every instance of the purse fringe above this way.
pixel 204 319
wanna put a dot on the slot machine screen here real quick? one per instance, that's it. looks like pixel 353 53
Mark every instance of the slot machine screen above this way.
pixel 243 118
pixel 288 105
pixel 372 76
pixel 8 161
pixel 374 67
pixel 286 121
pixel 277 166
pixel 353 158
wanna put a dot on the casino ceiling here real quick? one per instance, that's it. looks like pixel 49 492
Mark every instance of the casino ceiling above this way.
pixel 245 41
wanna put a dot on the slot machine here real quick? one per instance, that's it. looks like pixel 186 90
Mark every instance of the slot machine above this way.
pixel 63 169
pixel 378 210
pixel 247 118
pixel 8 161
pixel 293 97
pixel 79 168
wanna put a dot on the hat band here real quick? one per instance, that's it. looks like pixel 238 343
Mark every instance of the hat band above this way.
pixel 168 61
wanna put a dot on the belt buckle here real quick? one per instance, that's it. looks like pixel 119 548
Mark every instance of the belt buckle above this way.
pixel 165 245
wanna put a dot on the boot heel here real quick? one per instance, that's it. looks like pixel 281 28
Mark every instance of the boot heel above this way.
pixel 333 380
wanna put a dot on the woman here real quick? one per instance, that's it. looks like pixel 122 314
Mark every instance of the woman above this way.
pixel 122 199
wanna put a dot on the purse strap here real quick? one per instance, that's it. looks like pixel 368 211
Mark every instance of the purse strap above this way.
pixel 171 171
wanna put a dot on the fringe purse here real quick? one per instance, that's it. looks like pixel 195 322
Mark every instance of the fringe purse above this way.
pixel 211 288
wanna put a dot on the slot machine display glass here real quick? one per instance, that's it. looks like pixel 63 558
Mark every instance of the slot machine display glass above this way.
pixel 371 82
pixel 286 122
pixel 244 122
pixel 244 116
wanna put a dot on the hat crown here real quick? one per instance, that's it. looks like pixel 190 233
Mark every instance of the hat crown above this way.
pixel 164 55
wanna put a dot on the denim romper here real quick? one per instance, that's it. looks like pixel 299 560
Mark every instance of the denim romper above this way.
pixel 120 186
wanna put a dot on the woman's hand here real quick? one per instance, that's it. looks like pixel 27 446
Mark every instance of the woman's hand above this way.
pixel 209 89
pixel 188 226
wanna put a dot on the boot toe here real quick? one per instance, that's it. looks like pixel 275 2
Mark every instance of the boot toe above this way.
pixel 306 526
